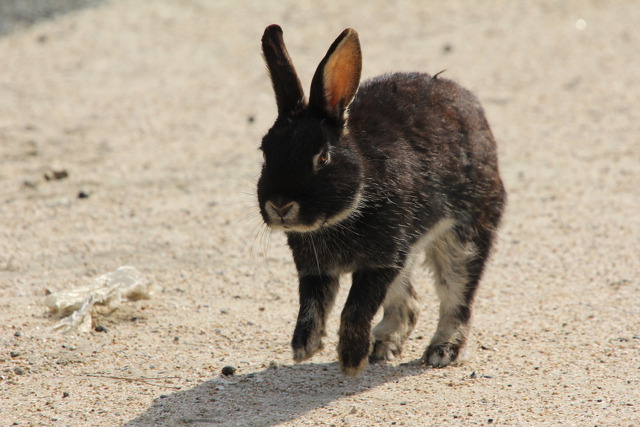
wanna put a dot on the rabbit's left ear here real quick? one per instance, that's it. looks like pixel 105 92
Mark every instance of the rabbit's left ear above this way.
pixel 337 78
pixel 286 84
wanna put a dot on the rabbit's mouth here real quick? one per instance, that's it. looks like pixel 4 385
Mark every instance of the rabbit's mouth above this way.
pixel 294 224
pixel 286 217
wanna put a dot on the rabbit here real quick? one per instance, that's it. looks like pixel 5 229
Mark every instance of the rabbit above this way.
pixel 371 179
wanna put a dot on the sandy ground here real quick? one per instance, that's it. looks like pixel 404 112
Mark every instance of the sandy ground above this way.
pixel 17 14
pixel 156 109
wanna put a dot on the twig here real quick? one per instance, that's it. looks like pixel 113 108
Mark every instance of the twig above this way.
pixel 144 380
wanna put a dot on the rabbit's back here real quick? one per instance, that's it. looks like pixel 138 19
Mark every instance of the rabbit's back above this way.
pixel 427 137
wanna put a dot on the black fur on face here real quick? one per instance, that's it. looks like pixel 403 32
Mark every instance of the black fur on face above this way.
pixel 293 171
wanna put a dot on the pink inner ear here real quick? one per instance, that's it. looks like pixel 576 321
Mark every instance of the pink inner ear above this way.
pixel 338 85
pixel 333 101
pixel 342 73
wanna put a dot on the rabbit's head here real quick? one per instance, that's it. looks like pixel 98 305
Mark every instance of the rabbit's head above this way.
pixel 311 176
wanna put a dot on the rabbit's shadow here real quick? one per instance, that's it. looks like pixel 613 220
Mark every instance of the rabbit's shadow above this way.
pixel 269 396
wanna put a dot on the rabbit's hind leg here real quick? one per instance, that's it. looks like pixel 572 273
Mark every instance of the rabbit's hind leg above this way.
pixel 457 261
pixel 400 316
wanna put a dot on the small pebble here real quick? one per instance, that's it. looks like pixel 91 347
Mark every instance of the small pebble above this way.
pixel 83 195
pixel 274 365
pixel 228 371
pixel 176 339
pixel 18 370
pixel 54 175
pixel 473 375
pixel 14 354
pixel 100 328
pixel 17 334
pixel 65 394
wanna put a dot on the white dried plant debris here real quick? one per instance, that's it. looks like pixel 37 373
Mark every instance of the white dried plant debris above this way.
pixel 108 290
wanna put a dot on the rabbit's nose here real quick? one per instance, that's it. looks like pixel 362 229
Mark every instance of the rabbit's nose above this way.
pixel 282 210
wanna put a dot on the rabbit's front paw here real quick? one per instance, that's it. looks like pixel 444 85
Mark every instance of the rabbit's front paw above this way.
pixel 302 352
pixel 307 339
pixel 441 355
pixel 353 351
pixel 353 359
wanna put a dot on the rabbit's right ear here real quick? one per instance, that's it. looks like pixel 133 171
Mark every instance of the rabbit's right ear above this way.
pixel 336 80
pixel 286 84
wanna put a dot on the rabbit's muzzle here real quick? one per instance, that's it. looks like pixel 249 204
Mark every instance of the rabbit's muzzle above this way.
pixel 282 214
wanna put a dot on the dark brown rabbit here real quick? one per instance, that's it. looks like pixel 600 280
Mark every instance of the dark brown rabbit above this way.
pixel 370 181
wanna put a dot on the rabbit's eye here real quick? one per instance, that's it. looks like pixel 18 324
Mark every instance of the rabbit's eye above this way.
pixel 323 158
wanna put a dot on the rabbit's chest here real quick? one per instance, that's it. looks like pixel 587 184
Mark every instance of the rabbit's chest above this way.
pixel 344 253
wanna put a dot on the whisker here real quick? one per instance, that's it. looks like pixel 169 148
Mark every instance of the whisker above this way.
pixel 269 233
pixel 248 216
pixel 256 233
pixel 315 252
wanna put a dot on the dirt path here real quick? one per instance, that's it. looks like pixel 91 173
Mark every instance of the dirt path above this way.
pixel 155 111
